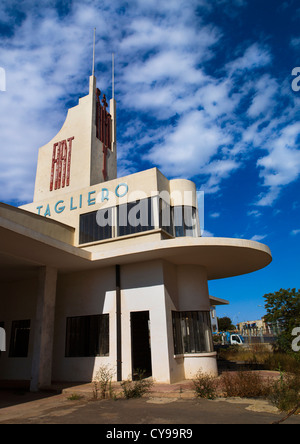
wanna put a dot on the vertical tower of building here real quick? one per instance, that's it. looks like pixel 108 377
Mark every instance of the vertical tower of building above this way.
pixel 83 153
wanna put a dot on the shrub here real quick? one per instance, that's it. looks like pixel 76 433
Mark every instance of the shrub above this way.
pixel 244 384
pixel 75 397
pixel 205 386
pixel 282 361
pixel 138 388
pixel 102 382
pixel 285 393
pixel 260 355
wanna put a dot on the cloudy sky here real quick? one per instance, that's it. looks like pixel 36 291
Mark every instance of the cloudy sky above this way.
pixel 204 92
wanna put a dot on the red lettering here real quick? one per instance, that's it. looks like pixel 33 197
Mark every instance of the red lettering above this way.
pixel 70 140
pixel 103 128
pixel 61 164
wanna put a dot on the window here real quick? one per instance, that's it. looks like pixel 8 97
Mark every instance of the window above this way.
pixel 19 340
pixel 185 221
pixel 135 217
pixel 192 332
pixel 95 226
pixel 87 336
pixel 166 217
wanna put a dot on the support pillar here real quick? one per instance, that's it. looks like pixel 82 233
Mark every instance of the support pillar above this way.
pixel 119 322
pixel 41 372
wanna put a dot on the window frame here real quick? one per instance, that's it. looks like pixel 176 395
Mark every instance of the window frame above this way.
pixel 88 336
pixel 19 339
pixel 192 332
pixel 90 231
pixel 181 228
pixel 127 229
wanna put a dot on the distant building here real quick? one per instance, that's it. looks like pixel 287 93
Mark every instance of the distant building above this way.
pixel 258 327
pixel 107 270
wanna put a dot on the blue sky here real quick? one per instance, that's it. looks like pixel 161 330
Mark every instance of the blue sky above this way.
pixel 203 89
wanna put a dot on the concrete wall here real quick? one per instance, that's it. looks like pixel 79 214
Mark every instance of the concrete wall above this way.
pixel 155 286
pixel 143 290
pixel 83 294
pixel 20 304
pixel 187 290
pixel 67 206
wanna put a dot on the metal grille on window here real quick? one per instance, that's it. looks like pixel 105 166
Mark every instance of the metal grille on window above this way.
pixel 192 332
pixel 135 217
pixel 185 221
pixel 95 226
pixel 87 336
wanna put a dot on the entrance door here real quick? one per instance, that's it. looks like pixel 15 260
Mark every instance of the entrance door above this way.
pixel 140 344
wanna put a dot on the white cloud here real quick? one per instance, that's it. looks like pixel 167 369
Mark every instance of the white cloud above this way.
pixel 197 128
pixel 258 237
pixel 254 213
pixel 281 166
pixel 207 233
pixel 264 99
pixel 295 42
pixel 295 232
pixel 255 56
pixel 188 149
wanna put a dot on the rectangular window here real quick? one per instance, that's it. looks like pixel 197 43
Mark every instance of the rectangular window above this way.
pixel 135 217
pixel 95 226
pixel 166 217
pixel 192 332
pixel 185 221
pixel 87 336
pixel 19 339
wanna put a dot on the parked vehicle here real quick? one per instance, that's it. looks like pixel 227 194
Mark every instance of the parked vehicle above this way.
pixel 232 338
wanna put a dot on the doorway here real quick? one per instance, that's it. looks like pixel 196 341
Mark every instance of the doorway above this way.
pixel 140 344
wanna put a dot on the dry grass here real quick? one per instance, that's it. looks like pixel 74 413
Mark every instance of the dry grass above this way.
pixel 244 384
pixel 260 355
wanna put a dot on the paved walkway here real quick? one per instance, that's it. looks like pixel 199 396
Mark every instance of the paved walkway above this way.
pixel 58 409
pixel 167 404
pixel 183 390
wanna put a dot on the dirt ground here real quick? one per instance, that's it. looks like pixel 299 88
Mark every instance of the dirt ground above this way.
pixel 20 407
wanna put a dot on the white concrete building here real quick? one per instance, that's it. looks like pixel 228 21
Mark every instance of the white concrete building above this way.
pixel 107 270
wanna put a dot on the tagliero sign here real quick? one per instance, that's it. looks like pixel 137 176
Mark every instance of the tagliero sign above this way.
pixel 90 199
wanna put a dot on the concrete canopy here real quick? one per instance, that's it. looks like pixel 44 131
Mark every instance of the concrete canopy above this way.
pixel 221 257
pixel 25 245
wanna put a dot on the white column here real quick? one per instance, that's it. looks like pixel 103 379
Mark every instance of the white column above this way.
pixel 44 329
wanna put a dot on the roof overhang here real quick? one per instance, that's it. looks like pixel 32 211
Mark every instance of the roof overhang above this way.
pixel 25 245
pixel 217 301
pixel 221 257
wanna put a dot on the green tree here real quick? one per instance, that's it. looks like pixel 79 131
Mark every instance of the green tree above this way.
pixel 283 309
pixel 225 324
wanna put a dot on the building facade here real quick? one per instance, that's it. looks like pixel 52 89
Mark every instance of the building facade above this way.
pixel 101 270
